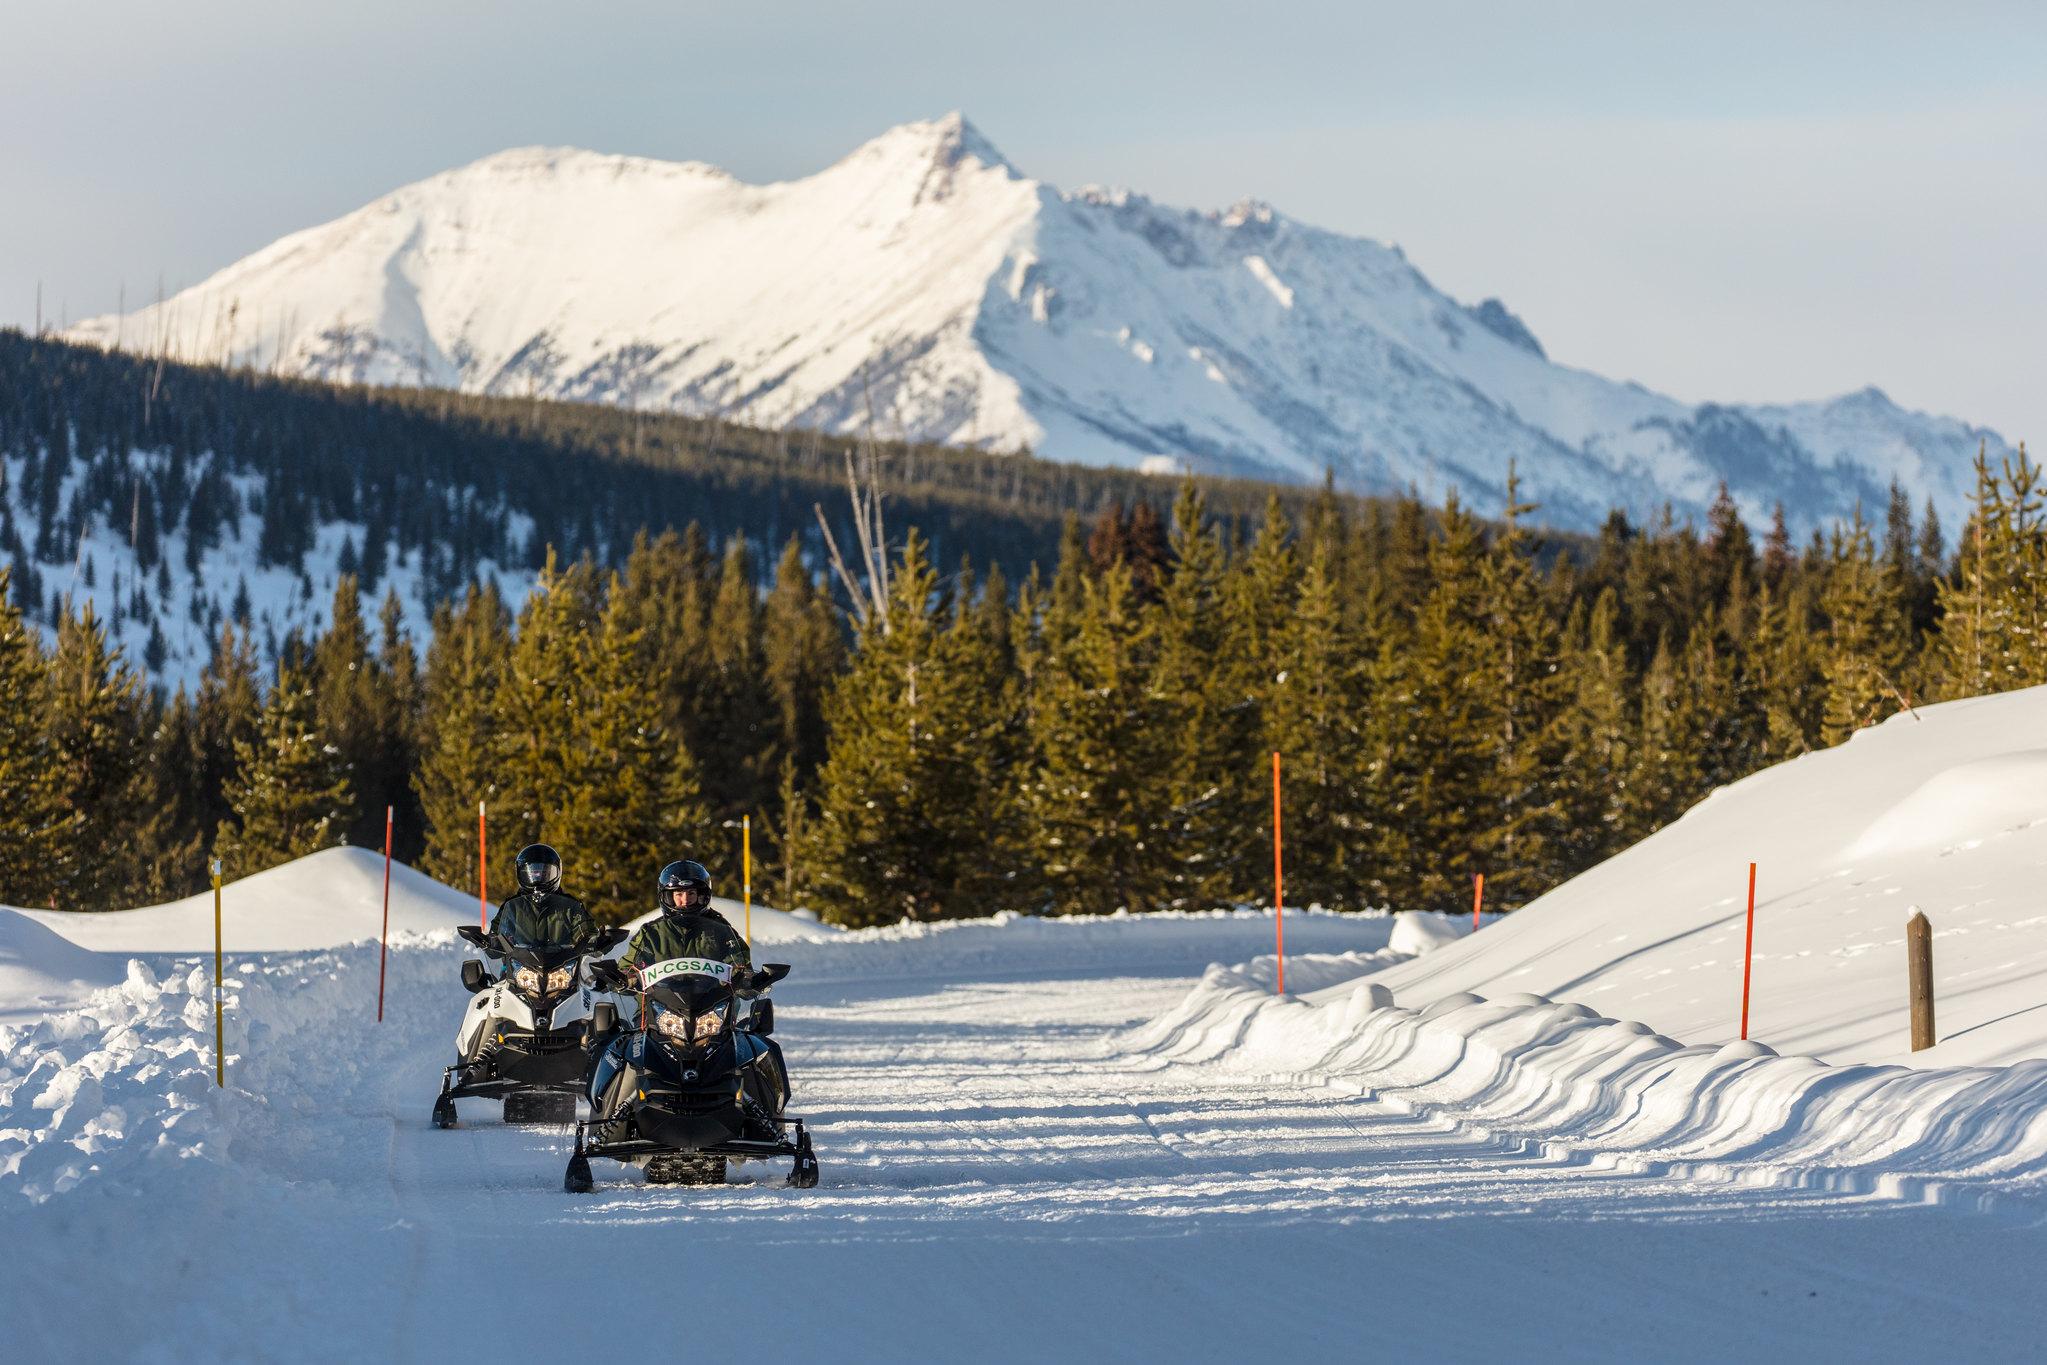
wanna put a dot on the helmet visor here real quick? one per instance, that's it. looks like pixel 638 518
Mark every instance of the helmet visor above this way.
pixel 686 897
pixel 539 873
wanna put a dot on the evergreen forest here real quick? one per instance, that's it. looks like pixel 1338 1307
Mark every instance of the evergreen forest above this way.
pixel 1060 692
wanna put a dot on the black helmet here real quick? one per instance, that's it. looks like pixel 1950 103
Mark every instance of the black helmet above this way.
pixel 540 869
pixel 685 886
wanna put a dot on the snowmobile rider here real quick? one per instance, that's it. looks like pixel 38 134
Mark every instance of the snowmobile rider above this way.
pixel 688 925
pixel 542 915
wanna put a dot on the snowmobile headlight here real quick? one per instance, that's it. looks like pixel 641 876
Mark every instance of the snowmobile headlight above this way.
pixel 676 1026
pixel 709 1024
pixel 560 979
pixel 526 981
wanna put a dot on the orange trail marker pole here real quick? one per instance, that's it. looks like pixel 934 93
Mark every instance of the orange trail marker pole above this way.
pixel 219 992
pixel 1278 887
pixel 1748 953
pixel 482 889
pixel 746 842
pixel 384 943
pixel 1477 899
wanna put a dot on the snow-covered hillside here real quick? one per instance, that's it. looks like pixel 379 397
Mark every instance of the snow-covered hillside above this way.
pixel 167 618
pixel 928 286
pixel 1944 809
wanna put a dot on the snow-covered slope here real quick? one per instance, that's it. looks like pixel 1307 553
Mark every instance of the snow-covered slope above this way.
pixel 1944 809
pixel 925 285
pixel 330 898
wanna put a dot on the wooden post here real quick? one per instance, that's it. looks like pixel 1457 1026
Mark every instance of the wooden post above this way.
pixel 1278 888
pixel 1748 952
pixel 1919 973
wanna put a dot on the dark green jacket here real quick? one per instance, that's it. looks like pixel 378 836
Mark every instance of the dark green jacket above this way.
pixel 667 936
pixel 550 920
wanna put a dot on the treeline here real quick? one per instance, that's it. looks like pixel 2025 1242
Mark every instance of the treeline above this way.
pixel 173 457
pixel 1089 740
pixel 625 716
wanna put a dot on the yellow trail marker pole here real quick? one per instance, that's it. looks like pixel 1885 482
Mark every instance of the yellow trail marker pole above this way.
pixel 1278 888
pixel 219 991
pixel 482 878
pixel 746 843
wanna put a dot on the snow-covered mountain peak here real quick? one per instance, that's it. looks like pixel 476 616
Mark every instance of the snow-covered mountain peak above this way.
pixel 1246 211
pixel 925 285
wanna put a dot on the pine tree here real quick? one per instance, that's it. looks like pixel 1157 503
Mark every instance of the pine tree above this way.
pixel 290 795
pixel 1596 736
pixel 1521 693
pixel 803 649
pixel 899 831
pixel 368 709
pixel 1993 634
pixel 96 746
pixel 1316 718
pixel 633 802
pixel 1865 639
pixel 734 716
pixel 537 725
pixel 1666 778
pixel 460 755
pixel 1434 738
pixel 167 851
pixel 1106 801
pixel 1208 739
pixel 28 813
pixel 1790 674
pixel 225 715
pixel 401 700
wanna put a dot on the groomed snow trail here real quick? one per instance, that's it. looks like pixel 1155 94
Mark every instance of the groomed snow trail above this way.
pixel 1008 1174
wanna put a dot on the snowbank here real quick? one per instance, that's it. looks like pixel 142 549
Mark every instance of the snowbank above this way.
pixel 1579 1087
pixel 1945 810
pixel 332 897
pixel 765 925
pixel 41 971
pixel 1176 942
pixel 125 1083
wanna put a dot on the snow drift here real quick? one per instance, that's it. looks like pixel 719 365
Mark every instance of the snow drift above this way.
pixel 927 288
pixel 1944 809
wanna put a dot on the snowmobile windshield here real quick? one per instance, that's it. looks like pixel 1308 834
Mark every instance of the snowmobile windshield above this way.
pixel 540 956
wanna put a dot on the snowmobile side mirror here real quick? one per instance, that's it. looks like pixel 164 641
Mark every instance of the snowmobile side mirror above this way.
pixel 769 974
pixel 762 1020
pixel 603 1019
pixel 470 933
pixel 473 976
pixel 607 939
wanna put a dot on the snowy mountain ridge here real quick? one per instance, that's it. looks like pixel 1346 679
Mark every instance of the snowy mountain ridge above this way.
pixel 926 286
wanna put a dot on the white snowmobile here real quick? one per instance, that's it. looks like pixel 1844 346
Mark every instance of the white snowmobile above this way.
pixel 522 1038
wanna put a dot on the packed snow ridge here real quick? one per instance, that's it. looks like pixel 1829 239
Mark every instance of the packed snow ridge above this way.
pixel 926 287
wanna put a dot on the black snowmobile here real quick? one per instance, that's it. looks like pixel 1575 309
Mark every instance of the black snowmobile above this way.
pixel 689 1085
pixel 524 1037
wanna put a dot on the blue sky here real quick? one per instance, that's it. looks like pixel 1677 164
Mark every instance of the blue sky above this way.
pixel 1736 201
